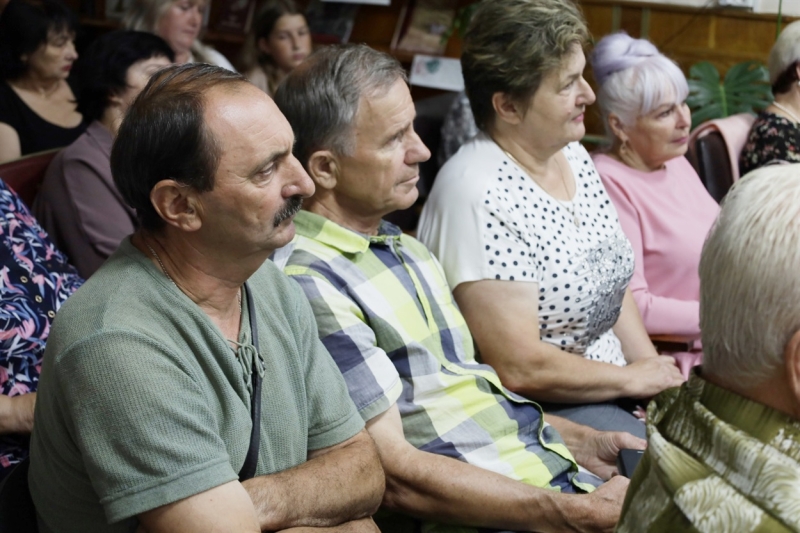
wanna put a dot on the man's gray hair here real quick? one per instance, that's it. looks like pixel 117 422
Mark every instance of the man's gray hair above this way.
pixel 320 98
pixel 750 278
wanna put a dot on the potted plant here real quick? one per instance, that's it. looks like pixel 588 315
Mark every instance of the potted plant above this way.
pixel 745 89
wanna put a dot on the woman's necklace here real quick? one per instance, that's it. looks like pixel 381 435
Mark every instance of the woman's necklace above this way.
pixel 786 110
pixel 570 210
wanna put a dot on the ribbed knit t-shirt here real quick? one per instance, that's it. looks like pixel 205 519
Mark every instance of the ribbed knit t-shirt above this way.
pixel 142 401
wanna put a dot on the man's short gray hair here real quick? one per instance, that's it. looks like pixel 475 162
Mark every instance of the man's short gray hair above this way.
pixel 750 278
pixel 320 98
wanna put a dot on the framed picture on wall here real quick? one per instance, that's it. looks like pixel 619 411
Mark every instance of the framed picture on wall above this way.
pixel 422 25
pixel 236 16
pixel 330 22
pixel 116 9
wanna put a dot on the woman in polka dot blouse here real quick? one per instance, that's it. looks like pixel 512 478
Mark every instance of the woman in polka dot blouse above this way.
pixel 527 235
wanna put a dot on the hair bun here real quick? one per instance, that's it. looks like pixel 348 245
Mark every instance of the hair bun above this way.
pixel 617 52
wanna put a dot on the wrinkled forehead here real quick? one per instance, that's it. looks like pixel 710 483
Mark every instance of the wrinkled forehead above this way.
pixel 239 112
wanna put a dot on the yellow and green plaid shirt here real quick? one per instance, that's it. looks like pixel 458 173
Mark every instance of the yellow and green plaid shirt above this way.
pixel 388 318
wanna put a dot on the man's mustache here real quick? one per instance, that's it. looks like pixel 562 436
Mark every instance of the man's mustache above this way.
pixel 289 210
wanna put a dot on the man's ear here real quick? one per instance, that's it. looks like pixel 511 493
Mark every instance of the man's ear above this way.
pixel 323 167
pixel 791 358
pixel 178 205
pixel 617 126
pixel 506 108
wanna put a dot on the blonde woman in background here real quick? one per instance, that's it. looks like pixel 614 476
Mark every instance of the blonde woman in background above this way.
pixel 179 23
pixel 278 42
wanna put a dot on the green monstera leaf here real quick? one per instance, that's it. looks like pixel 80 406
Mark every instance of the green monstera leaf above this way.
pixel 745 89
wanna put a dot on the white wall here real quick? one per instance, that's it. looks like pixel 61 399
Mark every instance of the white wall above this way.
pixel 790 7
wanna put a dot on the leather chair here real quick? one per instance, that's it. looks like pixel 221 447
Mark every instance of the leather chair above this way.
pixel 25 175
pixel 709 156
pixel 17 513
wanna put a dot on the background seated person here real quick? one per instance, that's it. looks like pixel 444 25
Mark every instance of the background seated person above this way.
pixel 278 41
pixel 723 449
pixel 144 408
pixel 775 135
pixel 78 203
pixel 525 231
pixel 37 49
pixel 179 23
pixel 35 279
pixel 663 207
pixel 385 313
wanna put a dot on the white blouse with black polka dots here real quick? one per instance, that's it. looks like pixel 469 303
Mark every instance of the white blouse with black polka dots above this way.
pixel 487 219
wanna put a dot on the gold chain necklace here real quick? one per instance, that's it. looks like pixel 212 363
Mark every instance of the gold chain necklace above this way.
pixel 571 211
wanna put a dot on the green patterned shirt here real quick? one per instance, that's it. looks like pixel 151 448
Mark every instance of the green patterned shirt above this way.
pixel 716 462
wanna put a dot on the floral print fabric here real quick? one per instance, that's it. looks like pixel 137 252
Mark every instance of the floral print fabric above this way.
pixel 35 279
pixel 773 139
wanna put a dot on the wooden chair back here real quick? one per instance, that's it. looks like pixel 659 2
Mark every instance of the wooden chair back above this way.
pixel 25 175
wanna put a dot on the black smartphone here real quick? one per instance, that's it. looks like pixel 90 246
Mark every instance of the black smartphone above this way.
pixel 627 461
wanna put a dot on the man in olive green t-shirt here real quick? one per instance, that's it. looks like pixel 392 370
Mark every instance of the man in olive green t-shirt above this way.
pixel 143 418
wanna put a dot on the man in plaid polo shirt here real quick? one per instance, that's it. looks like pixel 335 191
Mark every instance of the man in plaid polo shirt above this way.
pixel 387 316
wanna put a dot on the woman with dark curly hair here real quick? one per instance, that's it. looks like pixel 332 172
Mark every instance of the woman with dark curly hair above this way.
pixel 37 49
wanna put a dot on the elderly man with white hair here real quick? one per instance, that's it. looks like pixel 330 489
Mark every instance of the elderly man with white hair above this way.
pixel 724 450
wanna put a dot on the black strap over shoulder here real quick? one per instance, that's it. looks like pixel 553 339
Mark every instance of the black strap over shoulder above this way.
pixel 251 460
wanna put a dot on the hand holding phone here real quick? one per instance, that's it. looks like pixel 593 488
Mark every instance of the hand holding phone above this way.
pixel 627 461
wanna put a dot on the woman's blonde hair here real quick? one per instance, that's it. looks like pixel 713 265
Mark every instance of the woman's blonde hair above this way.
pixel 783 59
pixel 143 15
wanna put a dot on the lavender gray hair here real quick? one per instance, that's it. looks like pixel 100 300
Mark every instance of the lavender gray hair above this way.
pixel 634 78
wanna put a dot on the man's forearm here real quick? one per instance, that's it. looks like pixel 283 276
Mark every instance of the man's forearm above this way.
pixel 16 413
pixel 362 525
pixel 446 490
pixel 344 484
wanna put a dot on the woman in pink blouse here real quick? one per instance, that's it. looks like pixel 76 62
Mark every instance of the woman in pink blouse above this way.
pixel 662 205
